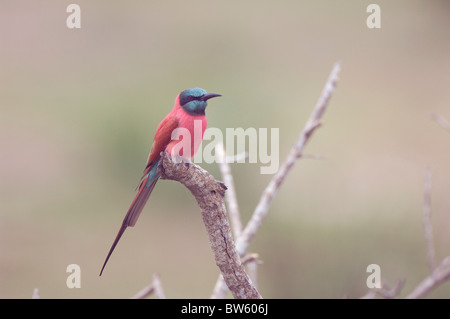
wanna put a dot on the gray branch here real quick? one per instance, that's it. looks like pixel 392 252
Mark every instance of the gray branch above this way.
pixel 209 194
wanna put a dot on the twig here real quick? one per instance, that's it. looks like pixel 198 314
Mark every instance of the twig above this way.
pixel 427 221
pixel 253 257
pixel 252 261
pixel 441 121
pixel 144 293
pixel 35 294
pixel 158 287
pixel 209 194
pixel 386 291
pixel 220 289
pixel 439 275
pixel 238 158
pixel 312 124
pixel 154 287
pixel 230 195
pixel 243 241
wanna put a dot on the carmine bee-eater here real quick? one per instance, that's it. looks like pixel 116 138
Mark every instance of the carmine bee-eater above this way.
pixel 189 107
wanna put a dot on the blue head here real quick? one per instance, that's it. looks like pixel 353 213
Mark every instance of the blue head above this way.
pixel 194 100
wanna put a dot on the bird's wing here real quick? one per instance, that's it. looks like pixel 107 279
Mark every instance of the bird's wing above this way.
pixel 162 138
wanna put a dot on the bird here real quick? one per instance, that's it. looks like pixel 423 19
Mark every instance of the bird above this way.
pixel 189 107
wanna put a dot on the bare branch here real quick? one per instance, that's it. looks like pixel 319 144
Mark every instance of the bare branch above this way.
pixel 230 195
pixel 209 194
pixel 312 124
pixel 252 261
pixel 439 275
pixel 154 287
pixel 253 257
pixel 35 294
pixel 238 158
pixel 427 222
pixel 144 293
pixel 243 241
pixel 386 291
pixel 220 289
pixel 158 287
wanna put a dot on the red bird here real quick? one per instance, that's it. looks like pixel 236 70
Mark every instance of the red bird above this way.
pixel 189 108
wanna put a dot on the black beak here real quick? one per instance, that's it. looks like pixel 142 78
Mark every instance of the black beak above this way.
pixel 208 96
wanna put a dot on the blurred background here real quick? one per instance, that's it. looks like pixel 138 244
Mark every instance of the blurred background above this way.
pixel 79 108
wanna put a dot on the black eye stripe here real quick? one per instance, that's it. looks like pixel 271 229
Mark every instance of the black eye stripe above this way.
pixel 188 99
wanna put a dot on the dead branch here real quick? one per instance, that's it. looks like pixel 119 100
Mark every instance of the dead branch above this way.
pixel 209 194
pixel 154 287
pixel 439 275
pixel 427 222
pixel 385 291
pixel 314 121
pixel 35 294
pixel 230 196
pixel 269 193
pixel 252 261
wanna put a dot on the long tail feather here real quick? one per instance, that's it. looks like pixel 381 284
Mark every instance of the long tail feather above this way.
pixel 133 213
pixel 121 231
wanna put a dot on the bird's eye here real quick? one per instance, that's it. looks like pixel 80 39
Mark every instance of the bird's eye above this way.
pixel 185 99
pixel 189 98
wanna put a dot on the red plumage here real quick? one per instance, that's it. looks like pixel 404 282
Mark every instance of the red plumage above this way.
pixel 166 139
